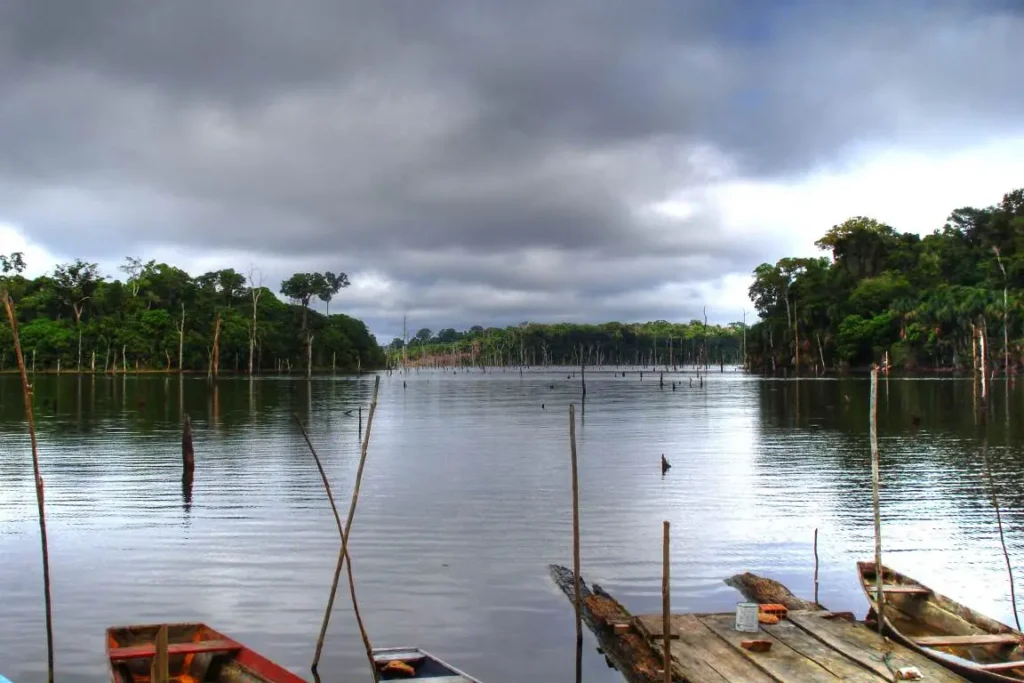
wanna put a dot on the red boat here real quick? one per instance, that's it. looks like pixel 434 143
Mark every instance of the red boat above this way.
pixel 186 653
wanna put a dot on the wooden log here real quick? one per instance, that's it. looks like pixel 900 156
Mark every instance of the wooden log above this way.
pixel 627 650
pixel 763 590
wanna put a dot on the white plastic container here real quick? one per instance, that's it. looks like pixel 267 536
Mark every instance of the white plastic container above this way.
pixel 746 617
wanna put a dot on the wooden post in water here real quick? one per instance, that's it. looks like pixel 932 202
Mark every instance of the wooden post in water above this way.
pixel 351 578
pixel 343 553
pixel 188 456
pixel 999 523
pixel 26 390
pixel 666 605
pixel 873 430
pixel 816 566
pixel 360 420
pixel 578 601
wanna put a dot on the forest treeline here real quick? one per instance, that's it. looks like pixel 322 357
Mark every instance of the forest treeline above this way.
pixel 925 302
pixel 659 343
pixel 162 318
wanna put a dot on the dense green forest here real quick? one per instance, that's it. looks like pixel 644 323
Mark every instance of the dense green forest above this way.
pixel 657 343
pixel 919 302
pixel 927 301
pixel 162 318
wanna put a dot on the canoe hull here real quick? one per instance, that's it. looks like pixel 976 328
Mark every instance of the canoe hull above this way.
pixel 946 617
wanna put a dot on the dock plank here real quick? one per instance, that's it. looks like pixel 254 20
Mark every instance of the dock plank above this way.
pixel 865 646
pixel 781 662
pixel 829 658
pixel 698 654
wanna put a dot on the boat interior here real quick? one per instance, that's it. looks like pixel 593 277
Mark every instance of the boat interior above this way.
pixel 933 621
pixel 392 663
pixel 195 654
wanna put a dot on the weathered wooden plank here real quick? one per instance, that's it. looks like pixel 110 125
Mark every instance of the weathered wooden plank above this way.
pixel 829 658
pixel 978 639
pixel 782 663
pixel 698 655
pixel 866 647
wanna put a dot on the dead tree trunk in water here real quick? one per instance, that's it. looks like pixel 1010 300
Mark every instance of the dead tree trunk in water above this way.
pixel 309 356
pixel 181 338
pixel 255 291
pixel 216 346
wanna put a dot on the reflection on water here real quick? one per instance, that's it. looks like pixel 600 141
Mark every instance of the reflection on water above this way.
pixel 466 499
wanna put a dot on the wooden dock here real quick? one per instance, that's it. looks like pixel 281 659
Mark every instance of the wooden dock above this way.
pixel 807 646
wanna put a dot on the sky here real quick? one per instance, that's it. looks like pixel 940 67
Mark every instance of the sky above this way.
pixel 490 162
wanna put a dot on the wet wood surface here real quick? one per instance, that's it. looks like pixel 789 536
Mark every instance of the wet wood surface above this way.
pixel 807 646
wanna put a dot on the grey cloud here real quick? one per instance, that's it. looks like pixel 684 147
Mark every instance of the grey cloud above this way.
pixel 443 142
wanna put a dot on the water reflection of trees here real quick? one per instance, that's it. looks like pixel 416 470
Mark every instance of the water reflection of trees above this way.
pixel 930 443
pixel 91 427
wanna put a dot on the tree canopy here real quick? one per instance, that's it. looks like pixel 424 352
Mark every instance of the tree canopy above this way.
pixel 919 299
pixel 160 316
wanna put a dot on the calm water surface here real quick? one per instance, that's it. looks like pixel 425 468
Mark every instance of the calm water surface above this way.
pixel 466 500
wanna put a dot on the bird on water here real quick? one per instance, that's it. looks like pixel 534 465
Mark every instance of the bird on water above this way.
pixel 664 464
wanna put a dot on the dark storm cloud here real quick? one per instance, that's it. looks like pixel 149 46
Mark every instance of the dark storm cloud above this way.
pixel 500 146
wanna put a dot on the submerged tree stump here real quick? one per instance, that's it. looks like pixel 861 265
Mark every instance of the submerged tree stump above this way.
pixel 763 590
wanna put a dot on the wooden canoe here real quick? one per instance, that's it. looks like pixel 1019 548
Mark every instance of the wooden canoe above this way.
pixel 974 646
pixel 191 653
pixel 397 663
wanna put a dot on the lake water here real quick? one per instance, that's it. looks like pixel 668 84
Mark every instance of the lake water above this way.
pixel 465 501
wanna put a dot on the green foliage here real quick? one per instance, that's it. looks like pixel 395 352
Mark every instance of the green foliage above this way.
pixel 140 320
pixel 917 299
pixel 652 343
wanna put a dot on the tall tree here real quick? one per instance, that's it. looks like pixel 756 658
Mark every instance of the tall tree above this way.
pixel 328 285
pixel 255 292
pixel 301 288
pixel 75 283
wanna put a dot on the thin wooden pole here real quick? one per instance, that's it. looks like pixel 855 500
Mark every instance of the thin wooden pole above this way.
pixel 348 528
pixel 576 543
pixel 816 567
pixel 341 531
pixel 666 605
pixel 879 595
pixel 26 390
pixel 999 522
